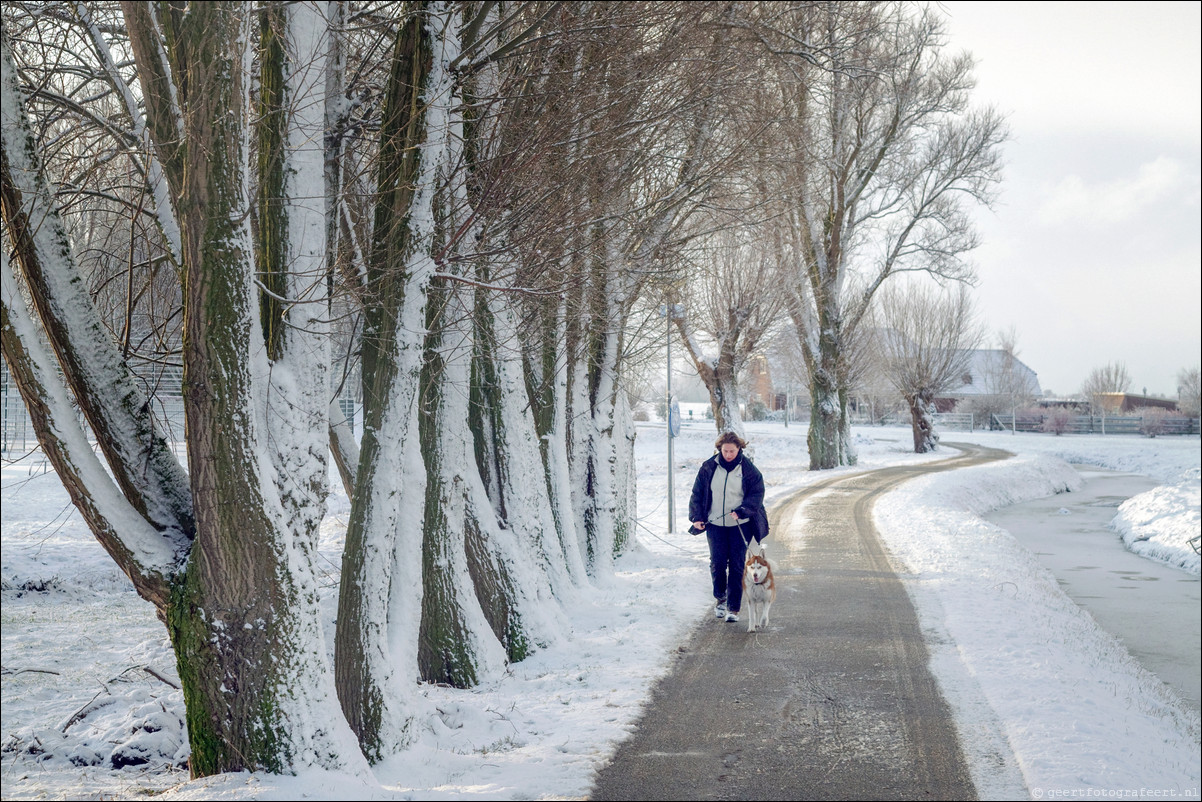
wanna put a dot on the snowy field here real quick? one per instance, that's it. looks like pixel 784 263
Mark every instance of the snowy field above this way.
pixel 87 672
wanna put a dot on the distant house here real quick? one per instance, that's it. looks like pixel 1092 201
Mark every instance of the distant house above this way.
pixel 991 374
pixel 993 377
pixel 1129 402
pixel 767 381
pixel 759 380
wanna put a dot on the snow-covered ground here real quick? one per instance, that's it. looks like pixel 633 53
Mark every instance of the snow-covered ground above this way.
pixel 86 665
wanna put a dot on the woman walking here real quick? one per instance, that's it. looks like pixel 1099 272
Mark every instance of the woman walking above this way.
pixel 728 505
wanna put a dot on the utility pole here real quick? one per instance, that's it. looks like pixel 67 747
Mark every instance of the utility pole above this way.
pixel 672 415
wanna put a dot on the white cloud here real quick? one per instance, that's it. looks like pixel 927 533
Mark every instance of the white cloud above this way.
pixel 1073 199
pixel 1080 66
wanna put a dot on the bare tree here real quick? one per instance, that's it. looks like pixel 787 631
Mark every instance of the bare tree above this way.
pixel 1153 421
pixel 1189 391
pixel 228 565
pixel 635 99
pixel 928 339
pixel 1058 421
pixel 1007 376
pixel 495 177
pixel 882 153
pixel 1110 379
pixel 730 308
pixel 873 393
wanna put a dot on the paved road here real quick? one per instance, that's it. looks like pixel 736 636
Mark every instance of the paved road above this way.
pixel 834 701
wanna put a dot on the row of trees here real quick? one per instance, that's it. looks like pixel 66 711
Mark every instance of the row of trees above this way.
pixel 868 153
pixel 471 209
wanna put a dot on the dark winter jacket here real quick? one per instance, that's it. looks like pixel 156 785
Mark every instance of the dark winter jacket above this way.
pixel 753 495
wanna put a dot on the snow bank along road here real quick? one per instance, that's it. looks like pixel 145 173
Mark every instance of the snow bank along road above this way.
pixel 834 701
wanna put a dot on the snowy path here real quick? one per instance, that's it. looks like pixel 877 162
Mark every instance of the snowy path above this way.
pixel 835 701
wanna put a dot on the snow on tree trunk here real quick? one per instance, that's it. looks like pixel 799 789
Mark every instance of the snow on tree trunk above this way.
pixel 829 438
pixel 508 450
pixel 376 647
pixel 922 421
pixel 299 403
pixel 381 591
pixel 601 428
pixel 146 557
pixel 723 388
pixel 114 405
pixel 244 619
pixel 549 371
pixel 625 477
pixel 471 620
pixel 508 453
pixel 452 647
pixel 432 584
pixel 817 316
pixel 242 615
pixel 596 437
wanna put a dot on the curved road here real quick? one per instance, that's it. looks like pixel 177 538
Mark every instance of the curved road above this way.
pixel 834 701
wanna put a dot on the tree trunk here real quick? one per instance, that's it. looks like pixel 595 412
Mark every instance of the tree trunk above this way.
pixel 375 654
pixel 148 558
pixel 244 619
pixel 102 384
pixel 596 437
pixel 922 421
pixel 508 448
pixel 430 581
pixel 241 603
pixel 829 438
pixel 452 648
pixel 343 448
pixel 723 386
pixel 548 369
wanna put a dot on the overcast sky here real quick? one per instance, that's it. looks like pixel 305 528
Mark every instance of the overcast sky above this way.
pixel 1092 253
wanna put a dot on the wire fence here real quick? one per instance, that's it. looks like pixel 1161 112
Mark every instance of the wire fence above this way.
pixel 17 436
pixel 1152 424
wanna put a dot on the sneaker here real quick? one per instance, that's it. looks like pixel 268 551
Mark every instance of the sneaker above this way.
pixel 732 616
pixel 720 610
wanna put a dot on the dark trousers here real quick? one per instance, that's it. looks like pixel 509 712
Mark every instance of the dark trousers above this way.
pixel 728 554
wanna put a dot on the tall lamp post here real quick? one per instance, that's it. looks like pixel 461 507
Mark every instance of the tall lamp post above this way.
pixel 672 412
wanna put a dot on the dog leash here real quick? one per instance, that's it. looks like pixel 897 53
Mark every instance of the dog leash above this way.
pixel 746 540
pixel 742 534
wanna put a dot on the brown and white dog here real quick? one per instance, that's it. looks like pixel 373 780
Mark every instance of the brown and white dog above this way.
pixel 759 589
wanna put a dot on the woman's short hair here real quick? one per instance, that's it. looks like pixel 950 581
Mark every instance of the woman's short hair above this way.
pixel 730 437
